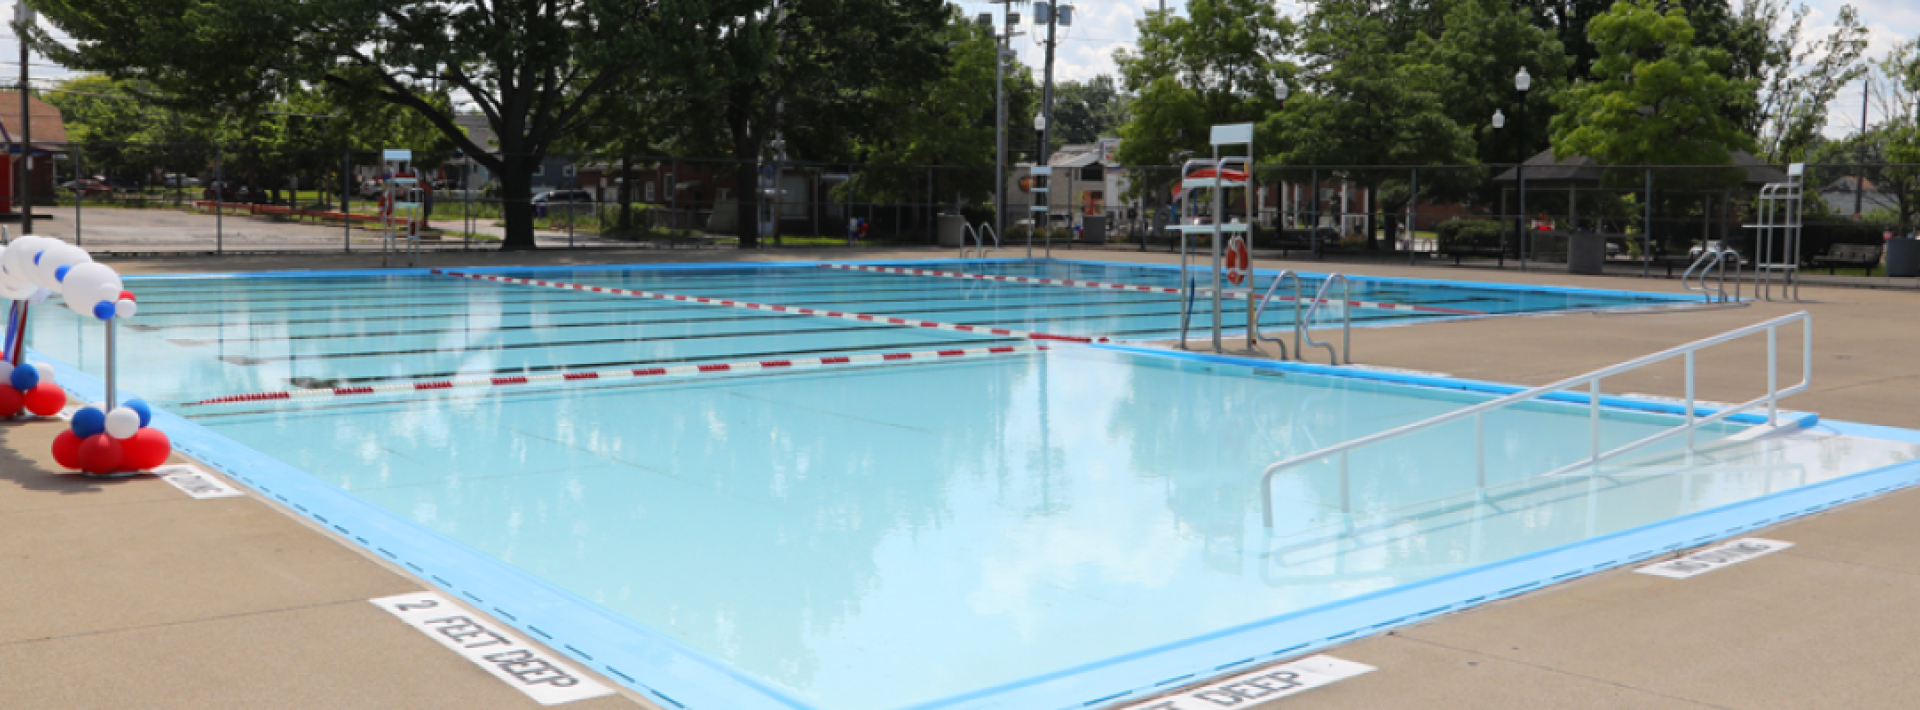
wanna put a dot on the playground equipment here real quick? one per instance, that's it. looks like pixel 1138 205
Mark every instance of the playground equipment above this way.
pixel 103 440
pixel 1214 175
pixel 1777 236
pixel 402 207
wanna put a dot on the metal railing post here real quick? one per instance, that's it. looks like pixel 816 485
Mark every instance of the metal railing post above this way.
pixel 1480 450
pixel 1593 420
pixel 1773 376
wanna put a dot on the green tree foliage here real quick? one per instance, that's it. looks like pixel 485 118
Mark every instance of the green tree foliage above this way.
pixel 1219 64
pixel 1484 44
pixel 817 73
pixel 1655 98
pixel 533 67
pixel 1801 79
pixel 1086 111
pixel 1366 102
pixel 948 122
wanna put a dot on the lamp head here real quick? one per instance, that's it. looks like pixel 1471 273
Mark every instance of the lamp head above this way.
pixel 1522 80
pixel 1039 122
pixel 1499 119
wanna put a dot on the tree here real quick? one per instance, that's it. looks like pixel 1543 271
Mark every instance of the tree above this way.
pixel 1654 98
pixel 1484 44
pixel 1086 111
pixel 1804 78
pixel 1219 64
pixel 1366 102
pixel 948 122
pixel 533 67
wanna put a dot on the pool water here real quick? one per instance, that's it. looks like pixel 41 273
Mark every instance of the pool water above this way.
pixel 901 534
pixel 896 535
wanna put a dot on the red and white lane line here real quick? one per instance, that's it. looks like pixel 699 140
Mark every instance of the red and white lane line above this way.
pixel 670 372
pixel 749 305
pixel 1106 286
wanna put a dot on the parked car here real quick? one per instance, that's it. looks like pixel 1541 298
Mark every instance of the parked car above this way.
pixel 182 180
pixel 87 187
pixel 1727 253
pixel 563 197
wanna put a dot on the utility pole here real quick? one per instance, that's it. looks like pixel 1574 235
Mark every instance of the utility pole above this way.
pixel 1046 97
pixel 24 15
pixel 1859 175
pixel 1002 53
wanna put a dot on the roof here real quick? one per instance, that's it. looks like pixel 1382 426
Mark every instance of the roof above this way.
pixel 1545 171
pixel 1845 184
pixel 47 126
pixel 477 129
pixel 1080 155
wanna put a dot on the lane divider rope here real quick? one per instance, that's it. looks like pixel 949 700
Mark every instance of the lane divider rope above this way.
pixel 749 305
pixel 668 372
pixel 1107 286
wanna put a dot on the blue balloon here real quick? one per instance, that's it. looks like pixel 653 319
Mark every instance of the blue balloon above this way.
pixel 24 377
pixel 37 255
pixel 140 405
pixel 60 274
pixel 89 421
pixel 103 310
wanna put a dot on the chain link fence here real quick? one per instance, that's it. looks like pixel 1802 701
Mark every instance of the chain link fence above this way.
pixel 143 198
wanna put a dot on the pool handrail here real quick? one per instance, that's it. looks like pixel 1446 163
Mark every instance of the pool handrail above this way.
pixel 965 230
pixel 980 235
pixel 1257 309
pixel 1346 327
pixel 1592 379
pixel 1714 262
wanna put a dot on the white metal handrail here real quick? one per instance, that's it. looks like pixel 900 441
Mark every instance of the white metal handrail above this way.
pixel 965 231
pixel 1255 309
pixel 1592 379
pixel 986 229
pixel 1714 262
pixel 1346 313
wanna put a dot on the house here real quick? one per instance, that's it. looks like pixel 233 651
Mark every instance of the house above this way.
pixel 556 172
pixel 49 141
pixel 1843 194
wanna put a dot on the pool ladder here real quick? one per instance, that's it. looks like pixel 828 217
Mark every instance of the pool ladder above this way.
pixel 1303 313
pixel 979 240
pixel 1712 264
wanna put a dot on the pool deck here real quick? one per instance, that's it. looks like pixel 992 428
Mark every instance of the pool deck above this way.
pixel 128 593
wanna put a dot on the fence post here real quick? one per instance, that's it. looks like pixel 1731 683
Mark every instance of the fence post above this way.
pixel 79 195
pixel 346 200
pixel 1413 215
pixel 930 236
pixel 219 197
pixel 1313 215
pixel 1646 231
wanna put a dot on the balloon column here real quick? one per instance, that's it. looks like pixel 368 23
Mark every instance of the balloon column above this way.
pixel 103 440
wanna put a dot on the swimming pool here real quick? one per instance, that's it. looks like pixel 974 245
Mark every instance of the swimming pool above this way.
pixel 1034 530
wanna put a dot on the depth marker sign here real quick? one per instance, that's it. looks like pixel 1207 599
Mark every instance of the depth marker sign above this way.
pixel 1713 559
pixel 1256 687
pixel 535 671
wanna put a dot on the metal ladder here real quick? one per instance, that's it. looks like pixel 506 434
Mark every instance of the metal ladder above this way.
pixel 979 240
pixel 1712 262
pixel 1255 309
pixel 1345 356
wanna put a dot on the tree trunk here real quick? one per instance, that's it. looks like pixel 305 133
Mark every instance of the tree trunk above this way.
pixel 1373 203
pixel 516 196
pixel 746 182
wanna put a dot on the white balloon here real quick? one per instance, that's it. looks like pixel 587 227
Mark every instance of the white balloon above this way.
pixel 46 373
pixel 58 254
pixel 122 422
pixel 125 308
pixel 18 258
pixel 88 284
pixel 12 285
pixel 6 371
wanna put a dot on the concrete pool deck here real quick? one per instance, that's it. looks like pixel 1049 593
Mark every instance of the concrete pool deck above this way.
pixel 128 593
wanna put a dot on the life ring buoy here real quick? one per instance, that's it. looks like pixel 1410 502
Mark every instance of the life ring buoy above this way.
pixel 1239 262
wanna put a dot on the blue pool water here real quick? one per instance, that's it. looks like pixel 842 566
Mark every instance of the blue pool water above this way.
pixel 897 535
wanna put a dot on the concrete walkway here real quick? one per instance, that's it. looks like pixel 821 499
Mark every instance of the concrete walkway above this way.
pixel 130 594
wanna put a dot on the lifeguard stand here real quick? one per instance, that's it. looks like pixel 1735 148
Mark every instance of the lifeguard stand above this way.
pixel 1777 235
pixel 402 208
pixel 1214 175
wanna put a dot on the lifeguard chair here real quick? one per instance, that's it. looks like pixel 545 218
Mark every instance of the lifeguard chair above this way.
pixel 402 208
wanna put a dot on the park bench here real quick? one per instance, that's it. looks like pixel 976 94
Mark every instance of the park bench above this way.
pixel 1850 255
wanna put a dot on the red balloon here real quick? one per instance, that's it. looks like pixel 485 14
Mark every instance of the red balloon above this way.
pixel 46 399
pixel 144 450
pixel 126 296
pixel 100 454
pixel 66 449
pixel 10 401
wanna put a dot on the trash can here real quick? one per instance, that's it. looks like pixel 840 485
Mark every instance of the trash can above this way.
pixel 1093 229
pixel 950 230
pixel 1903 257
pixel 1586 253
pixel 540 210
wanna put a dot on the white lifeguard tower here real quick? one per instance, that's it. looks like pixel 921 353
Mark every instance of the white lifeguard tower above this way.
pixel 402 208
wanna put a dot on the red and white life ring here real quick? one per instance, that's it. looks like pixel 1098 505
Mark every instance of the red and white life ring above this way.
pixel 1239 262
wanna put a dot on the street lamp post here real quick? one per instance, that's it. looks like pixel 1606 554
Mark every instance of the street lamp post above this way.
pixel 1499 123
pixel 1522 81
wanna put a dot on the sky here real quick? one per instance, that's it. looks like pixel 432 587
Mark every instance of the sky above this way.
pixel 1103 26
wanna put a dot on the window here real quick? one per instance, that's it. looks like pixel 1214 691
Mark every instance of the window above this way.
pixel 540 170
pixel 649 191
pixel 567 171
pixel 721 194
